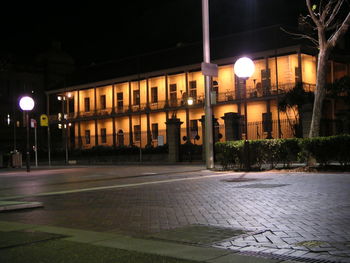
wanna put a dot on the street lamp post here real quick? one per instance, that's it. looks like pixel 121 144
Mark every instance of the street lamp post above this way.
pixel 208 140
pixel 244 69
pixel 65 126
pixel 27 104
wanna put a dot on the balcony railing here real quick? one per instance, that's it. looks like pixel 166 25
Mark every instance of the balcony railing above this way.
pixel 228 96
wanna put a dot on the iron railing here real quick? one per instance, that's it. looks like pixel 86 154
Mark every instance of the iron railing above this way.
pixel 224 97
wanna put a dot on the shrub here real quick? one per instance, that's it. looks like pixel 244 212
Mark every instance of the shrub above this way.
pixel 229 153
pixel 341 143
pixel 285 151
pixel 321 148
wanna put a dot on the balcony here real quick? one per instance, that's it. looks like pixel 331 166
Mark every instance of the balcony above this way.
pixel 230 96
pixel 260 92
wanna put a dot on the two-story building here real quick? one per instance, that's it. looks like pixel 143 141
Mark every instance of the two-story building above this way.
pixel 129 102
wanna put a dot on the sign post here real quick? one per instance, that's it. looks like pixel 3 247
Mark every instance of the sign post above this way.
pixel 34 125
pixel 44 122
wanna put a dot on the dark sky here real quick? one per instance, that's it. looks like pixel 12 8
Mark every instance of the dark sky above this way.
pixel 98 31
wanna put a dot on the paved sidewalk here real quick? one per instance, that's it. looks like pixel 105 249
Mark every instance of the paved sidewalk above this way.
pixel 282 216
pixel 97 239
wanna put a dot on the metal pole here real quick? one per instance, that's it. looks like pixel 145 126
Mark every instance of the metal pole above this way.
pixel 208 140
pixel 36 147
pixel 48 128
pixel 14 134
pixel 66 140
pixel 28 153
pixel 48 143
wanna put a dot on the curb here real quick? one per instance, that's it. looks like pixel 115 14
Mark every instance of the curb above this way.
pixel 13 205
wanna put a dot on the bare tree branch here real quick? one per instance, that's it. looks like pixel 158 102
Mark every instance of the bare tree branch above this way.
pixel 312 14
pixel 340 32
pixel 334 13
pixel 300 36
pixel 327 10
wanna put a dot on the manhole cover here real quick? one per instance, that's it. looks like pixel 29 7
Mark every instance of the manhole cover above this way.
pixel 198 234
pixel 261 185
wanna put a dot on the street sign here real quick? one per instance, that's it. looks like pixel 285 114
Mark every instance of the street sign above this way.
pixel 209 69
pixel 32 123
pixel 160 140
pixel 44 120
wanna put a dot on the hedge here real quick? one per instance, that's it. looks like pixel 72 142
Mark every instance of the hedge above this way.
pixel 233 154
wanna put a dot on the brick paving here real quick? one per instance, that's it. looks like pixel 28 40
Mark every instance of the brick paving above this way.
pixel 297 214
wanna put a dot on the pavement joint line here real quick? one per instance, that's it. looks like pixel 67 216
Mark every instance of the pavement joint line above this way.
pixel 112 187
pixel 164 248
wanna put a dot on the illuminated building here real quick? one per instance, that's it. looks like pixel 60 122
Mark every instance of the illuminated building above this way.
pixel 118 108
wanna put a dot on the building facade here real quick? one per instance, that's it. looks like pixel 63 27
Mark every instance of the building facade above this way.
pixel 134 109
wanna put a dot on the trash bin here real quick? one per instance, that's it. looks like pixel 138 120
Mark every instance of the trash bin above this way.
pixel 16 159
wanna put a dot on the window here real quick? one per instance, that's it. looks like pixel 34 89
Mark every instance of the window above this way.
pixel 193 89
pixel 136 97
pixel 87 136
pixel 154 131
pixel 137 133
pixel 87 104
pixel 173 95
pixel 120 100
pixel 154 94
pixel 103 135
pixel 103 101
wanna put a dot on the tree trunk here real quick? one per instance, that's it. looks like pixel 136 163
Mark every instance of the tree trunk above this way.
pixel 320 92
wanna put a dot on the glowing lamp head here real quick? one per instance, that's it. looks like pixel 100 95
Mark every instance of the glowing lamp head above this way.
pixel 26 103
pixel 190 101
pixel 244 67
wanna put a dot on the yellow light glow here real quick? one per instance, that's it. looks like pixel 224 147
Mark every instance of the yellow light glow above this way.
pixel 190 101
pixel 244 67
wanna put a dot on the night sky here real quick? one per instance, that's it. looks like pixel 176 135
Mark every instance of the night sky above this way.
pixel 100 31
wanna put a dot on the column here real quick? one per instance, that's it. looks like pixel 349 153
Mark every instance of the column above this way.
pixel 78 103
pixel 149 135
pixel 95 99
pixel 173 134
pixel 131 141
pixel 188 136
pixel 113 98
pixel 147 93
pixel 166 91
pixel 130 94
pixel 114 132
pixel 80 142
pixel 96 133
pixel 232 126
pixel 215 134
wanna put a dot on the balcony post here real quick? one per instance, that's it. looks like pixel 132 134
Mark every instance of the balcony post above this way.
pixel 187 112
pixel 96 133
pixel 113 99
